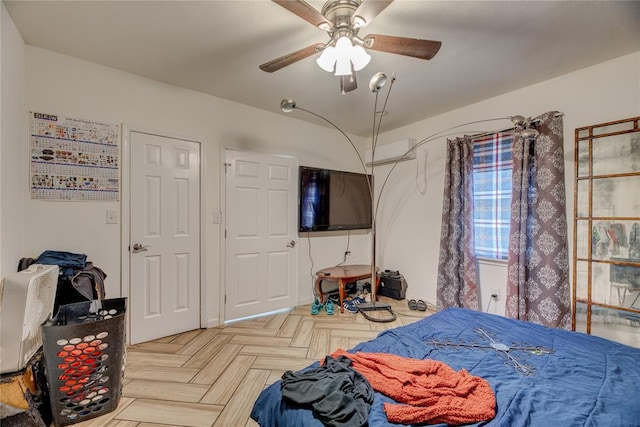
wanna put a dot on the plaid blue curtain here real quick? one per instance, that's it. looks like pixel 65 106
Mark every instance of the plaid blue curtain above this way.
pixel 492 177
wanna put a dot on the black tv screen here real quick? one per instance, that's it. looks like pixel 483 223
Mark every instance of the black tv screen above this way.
pixel 333 200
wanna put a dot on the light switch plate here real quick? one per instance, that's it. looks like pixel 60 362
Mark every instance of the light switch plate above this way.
pixel 112 216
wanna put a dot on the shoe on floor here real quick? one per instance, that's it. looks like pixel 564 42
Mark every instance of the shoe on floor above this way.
pixel 350 306
pixel 421 305
pixel 413 304
pixel 328 306
pixel 316 306
pixel 358 300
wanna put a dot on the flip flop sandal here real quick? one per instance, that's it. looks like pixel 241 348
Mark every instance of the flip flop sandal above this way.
pixel 421 305
pixel 413 305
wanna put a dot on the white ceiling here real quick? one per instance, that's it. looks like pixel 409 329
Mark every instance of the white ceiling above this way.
pixel 215 47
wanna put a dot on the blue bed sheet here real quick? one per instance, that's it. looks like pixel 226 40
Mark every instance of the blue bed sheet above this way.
pixel 562 378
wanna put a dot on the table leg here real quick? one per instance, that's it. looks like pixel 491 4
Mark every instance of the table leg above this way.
pixel 342 295
pixel 319 289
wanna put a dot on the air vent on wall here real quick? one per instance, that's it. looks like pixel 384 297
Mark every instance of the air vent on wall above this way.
pixel 401 150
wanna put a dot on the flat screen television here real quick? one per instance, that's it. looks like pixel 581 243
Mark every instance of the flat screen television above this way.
pixel 333 200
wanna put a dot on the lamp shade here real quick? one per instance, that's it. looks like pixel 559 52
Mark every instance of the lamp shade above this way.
pixel 327 59
pixel 360 58
pixel 529 133
pixel 377 81
pixel 344 53
pixel 343 67
pixel 287 105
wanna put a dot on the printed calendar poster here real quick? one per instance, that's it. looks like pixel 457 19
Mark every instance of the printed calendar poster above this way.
pixel 74 159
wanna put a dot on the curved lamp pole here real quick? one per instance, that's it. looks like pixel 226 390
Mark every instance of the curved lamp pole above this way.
pixel 376 83
pixel 287 105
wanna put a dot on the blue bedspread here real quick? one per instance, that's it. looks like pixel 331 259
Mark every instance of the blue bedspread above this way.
pixel 564 379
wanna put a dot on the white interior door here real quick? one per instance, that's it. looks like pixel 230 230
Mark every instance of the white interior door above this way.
pixel 164 242
pixel 261 254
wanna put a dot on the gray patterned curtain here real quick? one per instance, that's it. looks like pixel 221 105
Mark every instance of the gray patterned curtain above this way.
pixel 538 266
pixel 457 267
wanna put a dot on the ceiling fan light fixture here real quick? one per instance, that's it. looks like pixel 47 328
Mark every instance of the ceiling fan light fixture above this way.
pixel 342 56
pixel 359 21
pixel 344 48
pixel 327 59
pixel 360 58
pixel 343 67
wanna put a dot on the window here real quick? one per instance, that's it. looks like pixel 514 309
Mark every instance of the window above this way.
pixel 492 174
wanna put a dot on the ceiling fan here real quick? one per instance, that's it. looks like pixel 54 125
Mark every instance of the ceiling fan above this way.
pixel 345 51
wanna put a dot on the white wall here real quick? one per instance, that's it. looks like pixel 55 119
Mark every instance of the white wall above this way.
pixel 63 85
pixel 409 229
pixel 13 156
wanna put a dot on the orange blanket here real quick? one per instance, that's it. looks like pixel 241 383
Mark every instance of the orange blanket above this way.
pixel 430 391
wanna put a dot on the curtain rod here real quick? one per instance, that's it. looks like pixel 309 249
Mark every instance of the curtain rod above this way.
pixel 558 114
pixel 480 135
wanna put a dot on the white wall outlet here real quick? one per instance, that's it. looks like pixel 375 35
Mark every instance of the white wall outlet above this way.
pixel 495 294
pixel 112 216
pixel 217 217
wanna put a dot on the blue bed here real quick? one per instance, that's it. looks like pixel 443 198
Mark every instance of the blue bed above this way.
pixel 540 376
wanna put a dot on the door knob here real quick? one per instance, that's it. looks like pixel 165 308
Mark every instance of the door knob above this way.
pixel 291 244
pixel 137 247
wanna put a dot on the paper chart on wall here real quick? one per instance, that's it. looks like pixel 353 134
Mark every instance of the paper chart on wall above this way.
pixel 73 159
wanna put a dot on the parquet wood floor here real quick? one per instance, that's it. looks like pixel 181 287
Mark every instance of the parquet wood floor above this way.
pixel 211 377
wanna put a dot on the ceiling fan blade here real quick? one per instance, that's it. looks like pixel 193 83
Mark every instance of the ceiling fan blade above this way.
pixel 283 61
pixel 368 10
pixel 348 83
pixel 423 49
pixel 305 11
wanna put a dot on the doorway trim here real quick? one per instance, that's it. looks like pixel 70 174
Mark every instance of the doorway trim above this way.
pixel 125 219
